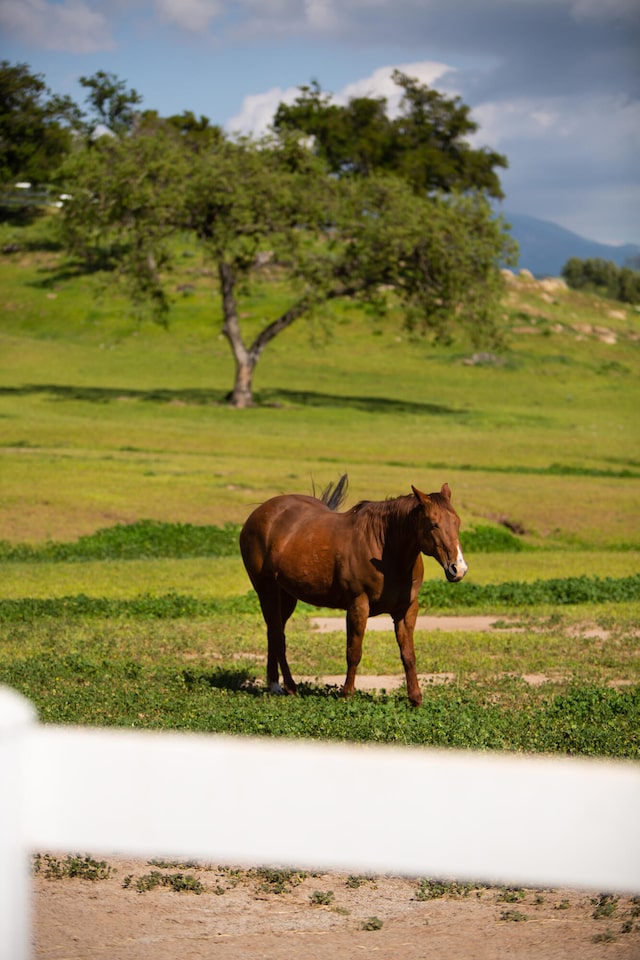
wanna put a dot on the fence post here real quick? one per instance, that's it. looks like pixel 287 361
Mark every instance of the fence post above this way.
pixel 17 720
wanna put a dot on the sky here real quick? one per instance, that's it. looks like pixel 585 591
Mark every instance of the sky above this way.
pixel 553 84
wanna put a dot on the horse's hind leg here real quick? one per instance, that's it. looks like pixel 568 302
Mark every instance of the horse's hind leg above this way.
pixel 277 607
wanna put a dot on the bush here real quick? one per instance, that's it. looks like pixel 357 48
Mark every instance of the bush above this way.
pixel 603 277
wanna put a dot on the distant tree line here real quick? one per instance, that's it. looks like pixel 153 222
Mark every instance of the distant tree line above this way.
pixel 337 202
pixel 603 277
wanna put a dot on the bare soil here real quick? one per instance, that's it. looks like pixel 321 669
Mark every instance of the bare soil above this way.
pixel 475 623
pixel 319 917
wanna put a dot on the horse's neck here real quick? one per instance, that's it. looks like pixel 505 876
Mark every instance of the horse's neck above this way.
pixel 394 530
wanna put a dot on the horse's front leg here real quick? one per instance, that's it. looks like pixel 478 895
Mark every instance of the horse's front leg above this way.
pixel 357 615
pixel 404 627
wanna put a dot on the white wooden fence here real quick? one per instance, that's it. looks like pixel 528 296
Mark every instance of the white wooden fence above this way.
pixel 504 819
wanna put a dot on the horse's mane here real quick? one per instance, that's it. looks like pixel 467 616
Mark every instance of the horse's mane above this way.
pixel 375 515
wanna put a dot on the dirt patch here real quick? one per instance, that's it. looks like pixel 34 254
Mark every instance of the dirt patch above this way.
pixel 476 624
pixel 321 917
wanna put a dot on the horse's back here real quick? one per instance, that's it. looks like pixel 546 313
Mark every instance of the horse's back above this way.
pixel 277 520
pixel 293 537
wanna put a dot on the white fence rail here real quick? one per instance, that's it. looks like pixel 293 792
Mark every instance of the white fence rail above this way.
pixel 503 819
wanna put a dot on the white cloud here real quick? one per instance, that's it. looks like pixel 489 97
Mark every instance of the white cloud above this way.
pixel 71 26
pixel 380 82
pixel 257 110
pixel 605 126
pixel 192 15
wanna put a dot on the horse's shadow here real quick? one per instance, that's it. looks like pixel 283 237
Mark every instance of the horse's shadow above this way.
pixel 240 680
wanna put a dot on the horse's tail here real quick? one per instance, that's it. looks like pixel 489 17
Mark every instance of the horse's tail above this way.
pixel 334 494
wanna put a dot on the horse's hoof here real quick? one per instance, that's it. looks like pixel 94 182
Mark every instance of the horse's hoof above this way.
pixel 276 689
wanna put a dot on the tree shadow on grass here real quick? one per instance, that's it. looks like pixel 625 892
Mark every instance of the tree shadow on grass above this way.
pixel 203 397
pixel 310 398
pixel 62 392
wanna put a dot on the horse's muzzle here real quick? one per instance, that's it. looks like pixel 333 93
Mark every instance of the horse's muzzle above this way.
pixel 456 570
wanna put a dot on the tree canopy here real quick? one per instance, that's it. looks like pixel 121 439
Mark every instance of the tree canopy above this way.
pixel 35 126
pixel 111 105
pixel 426 144
pixel 603 277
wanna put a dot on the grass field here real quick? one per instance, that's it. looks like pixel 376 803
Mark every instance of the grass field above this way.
pixel 107 420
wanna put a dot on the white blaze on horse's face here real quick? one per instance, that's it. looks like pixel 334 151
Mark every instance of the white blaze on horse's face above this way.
pixel 457 568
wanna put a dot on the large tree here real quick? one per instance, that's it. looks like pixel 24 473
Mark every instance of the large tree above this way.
pixel 426 144
pixel 35 126
pixel 274 201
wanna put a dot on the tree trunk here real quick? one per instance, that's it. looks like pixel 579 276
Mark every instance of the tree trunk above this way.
pixel 242 394
pixel 247 358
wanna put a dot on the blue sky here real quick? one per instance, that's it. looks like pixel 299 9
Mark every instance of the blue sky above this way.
pixel 553 84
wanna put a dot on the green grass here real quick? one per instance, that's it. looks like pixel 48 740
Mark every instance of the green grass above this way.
pixel 434 594
pixel 585 719
pixel 222 577
pixel 125 478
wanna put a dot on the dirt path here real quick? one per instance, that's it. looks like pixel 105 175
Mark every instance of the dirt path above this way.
pixel 477 623
pixel 321 917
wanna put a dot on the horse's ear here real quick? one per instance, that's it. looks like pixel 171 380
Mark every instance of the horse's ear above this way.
pixel 445 490
pixel 422 497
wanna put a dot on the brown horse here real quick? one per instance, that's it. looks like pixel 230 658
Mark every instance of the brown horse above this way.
pixel 365 561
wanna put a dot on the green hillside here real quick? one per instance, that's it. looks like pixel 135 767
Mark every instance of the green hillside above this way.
pixel 107 418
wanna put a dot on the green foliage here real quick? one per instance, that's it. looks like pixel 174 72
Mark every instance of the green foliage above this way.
pixel 429 889
pixel 485 539
pixel 169 606
pixel 355 881
pixel 603 277
pixel 373 923
pixel 178 882
pixel 112 105
pixel 71 867
pixel 143 539
pixel 511 895
pixel 513 916
pixel 124 209
pixel 516 594
pixel 276 880
pixel 35 126
pixel 425 144
pixel 322 898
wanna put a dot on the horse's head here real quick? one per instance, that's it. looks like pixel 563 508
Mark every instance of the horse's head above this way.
pixel 439 528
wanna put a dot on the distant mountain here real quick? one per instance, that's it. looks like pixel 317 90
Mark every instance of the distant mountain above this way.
pixel 545 247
